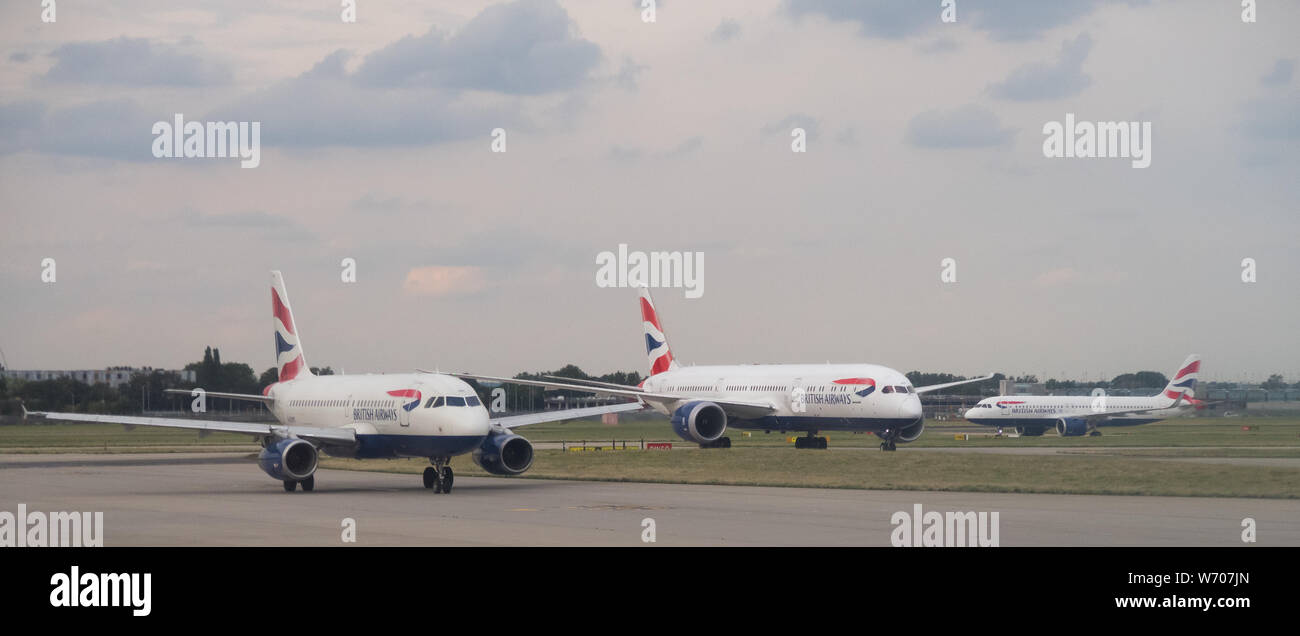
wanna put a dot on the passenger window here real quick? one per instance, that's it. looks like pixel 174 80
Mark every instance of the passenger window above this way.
pixel 455 401
pixel 472 400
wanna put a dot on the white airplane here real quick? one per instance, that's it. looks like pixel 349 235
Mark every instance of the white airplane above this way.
pixel 703 401
pixel 1080 415
pixel 365 416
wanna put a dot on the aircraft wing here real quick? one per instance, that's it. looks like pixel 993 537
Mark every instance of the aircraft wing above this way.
pixel 738 408
pixel 512 421
pixel 248 397
pixel 329 436
pixel 608 385
pixel 936 387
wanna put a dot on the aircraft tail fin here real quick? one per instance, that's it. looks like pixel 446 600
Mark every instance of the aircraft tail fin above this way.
pixel 656 343
pixel 289 358
pixel 1182 385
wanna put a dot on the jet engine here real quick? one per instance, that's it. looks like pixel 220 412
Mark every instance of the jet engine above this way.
pixel 699 422
pixel 912 432
pixel 1071 427
pixel 289 459
pixel 504 454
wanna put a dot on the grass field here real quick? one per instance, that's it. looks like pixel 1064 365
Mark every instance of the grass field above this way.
pixel 1130 460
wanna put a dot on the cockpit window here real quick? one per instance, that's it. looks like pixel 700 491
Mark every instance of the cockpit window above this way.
pixel 901 389
pixel 455 401
pixel 888 389
pixel 472 400
pixel 433 401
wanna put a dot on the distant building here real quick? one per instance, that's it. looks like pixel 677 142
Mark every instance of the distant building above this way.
pixel 112 376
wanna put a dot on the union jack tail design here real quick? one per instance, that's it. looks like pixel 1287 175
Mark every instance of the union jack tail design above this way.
pixel 1183 382
pixel 656 343
pixel 289 358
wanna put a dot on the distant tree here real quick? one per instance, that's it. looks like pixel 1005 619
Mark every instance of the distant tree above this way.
pixel 1141 379
pixel 322 371
pixel 269 377
pixel 1027 379
pixel 1274 382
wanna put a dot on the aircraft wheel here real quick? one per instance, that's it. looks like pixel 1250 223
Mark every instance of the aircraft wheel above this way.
pixel 309 484
pixel 821 443
pixel 290 485
pixel 430 476
pixel 448 478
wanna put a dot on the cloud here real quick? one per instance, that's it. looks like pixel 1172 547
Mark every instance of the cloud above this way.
pixel 1271 118
pixel 726 30
pixel 1039 81
pixel 1023 19
pixel 875 18
pixel 134 62
pixel 894 19
pixel 527 47
pixel 808 123
pixel 441 280
pixel 1281 74
pixel 965 127
pixel 117 129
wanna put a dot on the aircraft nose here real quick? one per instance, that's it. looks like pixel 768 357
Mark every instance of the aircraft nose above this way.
pixel 910 408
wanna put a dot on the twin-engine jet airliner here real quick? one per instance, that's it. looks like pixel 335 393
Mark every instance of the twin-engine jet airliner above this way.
pixel 1080 415
pixel 366 416
pixel 702 402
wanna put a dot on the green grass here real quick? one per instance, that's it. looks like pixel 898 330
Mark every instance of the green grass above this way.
pixel 82 437
pixel 1185 432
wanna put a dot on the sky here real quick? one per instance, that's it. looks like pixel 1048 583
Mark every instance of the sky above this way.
pixel 923 142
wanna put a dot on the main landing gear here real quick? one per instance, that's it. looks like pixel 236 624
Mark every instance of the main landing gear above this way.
pixel 888 445
pixel 721 442
pixel 308 484
pixel 810 441
pixel 439 476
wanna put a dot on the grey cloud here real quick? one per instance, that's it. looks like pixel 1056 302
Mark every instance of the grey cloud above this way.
pixel 1001 19
pixel 1023 19
pixel 965 127
pixel 116 129
pixel 20 56
pixel 1273 117
pixel 527 47
pixel 808 123
pixel 726 30
pixel 1281 74
pixel 1040 81
pixel 876 18
pixel 134 62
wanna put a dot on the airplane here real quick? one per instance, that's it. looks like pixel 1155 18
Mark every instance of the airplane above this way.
pixel 422 414
pixel 1073 416
pixel 703 401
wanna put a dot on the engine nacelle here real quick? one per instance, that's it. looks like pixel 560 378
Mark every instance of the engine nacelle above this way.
pixel 289 459
pixel 504 454
pixel 699 422
pixel 912 432
pixel 1071 427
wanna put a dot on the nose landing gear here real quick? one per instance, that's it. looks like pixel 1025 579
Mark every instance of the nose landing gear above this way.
pixel 439 476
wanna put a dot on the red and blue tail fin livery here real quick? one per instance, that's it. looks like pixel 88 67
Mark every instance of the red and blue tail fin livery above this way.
pixel 289 357
pixel 1183 382
pixel 656 343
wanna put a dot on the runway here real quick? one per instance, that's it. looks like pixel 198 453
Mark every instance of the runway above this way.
pixel 222 499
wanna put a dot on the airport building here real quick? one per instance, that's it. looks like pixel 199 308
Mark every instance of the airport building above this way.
pixel 112 376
